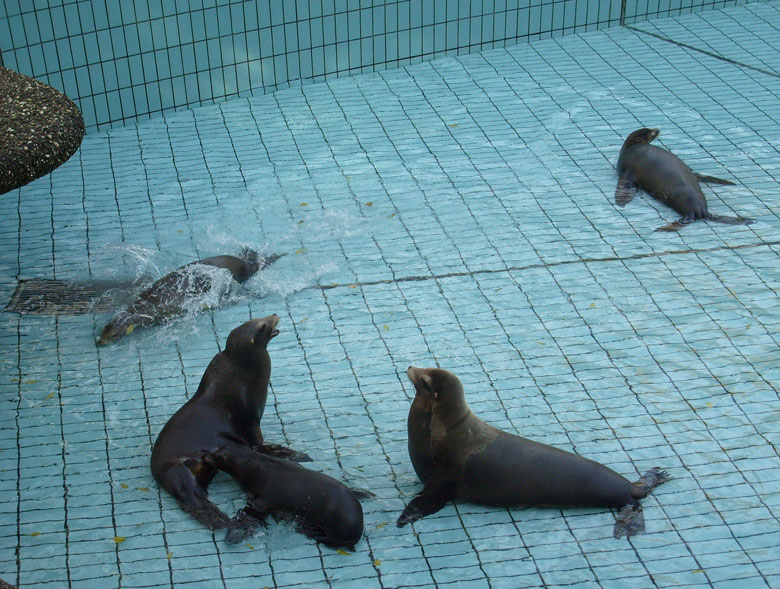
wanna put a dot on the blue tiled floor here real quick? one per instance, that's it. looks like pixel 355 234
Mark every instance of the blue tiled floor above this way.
pixel 457 212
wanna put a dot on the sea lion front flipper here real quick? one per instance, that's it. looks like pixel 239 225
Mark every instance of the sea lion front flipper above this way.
pixel 192 498
pixel 625 192
pixel 361 493
pixel 278 451
pixel 244 524
pixel 730 220
pixel 435 495
pixel 711 179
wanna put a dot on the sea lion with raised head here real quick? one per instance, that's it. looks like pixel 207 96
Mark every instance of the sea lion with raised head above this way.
pixel 169 296
pixel 226 409
pixel 458 456
pixel 323 508
pixel 666 178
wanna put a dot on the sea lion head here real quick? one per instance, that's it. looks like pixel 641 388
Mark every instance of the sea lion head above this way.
pixel 642 136
pixel 252 335
pixel 443 390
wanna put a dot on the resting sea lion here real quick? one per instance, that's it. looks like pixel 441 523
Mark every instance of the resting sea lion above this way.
pixel 226 408
pixel 168 296
pixel 666 178
pixel 323 508
pixel 459 456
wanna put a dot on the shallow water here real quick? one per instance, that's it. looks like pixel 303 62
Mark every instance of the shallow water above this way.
pixel 455 213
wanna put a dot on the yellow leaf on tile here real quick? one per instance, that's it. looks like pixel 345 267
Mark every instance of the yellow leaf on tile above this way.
pixel 387 327
pixel 300 251
pixel 143 489
pixel 369 203
pixel 343 552
pixel 119 539
pixel 35 534
pixel 49 396
pixel 31 381
pixel 124 485
pixel 381 525
pixel 377 562
pixel 304 204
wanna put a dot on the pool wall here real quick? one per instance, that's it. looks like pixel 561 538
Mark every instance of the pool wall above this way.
pixel 121 61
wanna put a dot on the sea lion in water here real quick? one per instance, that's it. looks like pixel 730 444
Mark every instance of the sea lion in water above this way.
pixel 225 409
pixel 168 296
pixel 324 509
pixel 459 456
pixel 666 178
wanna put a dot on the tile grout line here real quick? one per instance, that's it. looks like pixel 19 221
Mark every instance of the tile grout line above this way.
pixel 641 256
pixel 704 51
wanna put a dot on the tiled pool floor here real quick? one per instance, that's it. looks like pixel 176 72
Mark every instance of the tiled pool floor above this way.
pixel 457 212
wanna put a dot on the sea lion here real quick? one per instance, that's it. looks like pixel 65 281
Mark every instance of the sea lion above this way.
pixel 459 456
pixel 168 297
pixel 666 178
pixel 226 408
pixel 323 508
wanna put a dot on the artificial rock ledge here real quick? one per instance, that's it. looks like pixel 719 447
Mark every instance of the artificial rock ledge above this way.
pixel 40 128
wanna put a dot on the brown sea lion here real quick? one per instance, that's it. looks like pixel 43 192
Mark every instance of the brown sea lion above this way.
pixel 323 508
pixel 459 456
pixel 225 409
pixel 666 178
pixel 169 296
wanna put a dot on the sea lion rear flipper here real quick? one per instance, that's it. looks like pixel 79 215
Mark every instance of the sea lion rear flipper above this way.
pixel 278 451
pixel 435 495
pixel 711 179
pixel 675 225
pixel 730 220
pixel 244 524
pixel 651 479
pixel 625 192
pixel 629 521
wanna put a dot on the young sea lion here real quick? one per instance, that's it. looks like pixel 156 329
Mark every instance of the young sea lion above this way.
pixel 226 408
pixel 459 456
pixel 666 178
pixel 169 296
pixel 324 509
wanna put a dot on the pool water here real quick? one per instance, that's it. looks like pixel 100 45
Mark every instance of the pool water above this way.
pixel 457 213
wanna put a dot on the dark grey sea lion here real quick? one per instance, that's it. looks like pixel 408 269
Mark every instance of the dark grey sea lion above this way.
pixel 666 178
pixel 169 296
pixel 226 409
pixel 323 508
pixel 459 456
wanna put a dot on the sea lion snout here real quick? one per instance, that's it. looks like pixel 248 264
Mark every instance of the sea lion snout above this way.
pixel 421 379
pixel 265 327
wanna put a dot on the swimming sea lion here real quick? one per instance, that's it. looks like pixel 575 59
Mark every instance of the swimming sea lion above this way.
pixel 226 408
pixel 168 296
pixel 459 456
pixel 666 178
pixel 324 509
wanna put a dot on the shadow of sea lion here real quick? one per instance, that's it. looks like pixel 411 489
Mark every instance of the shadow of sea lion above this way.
pixel 173 294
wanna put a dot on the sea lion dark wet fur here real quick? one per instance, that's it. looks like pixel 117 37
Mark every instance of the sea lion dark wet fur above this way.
pixel 666 178
pixel 459 456
pixel 168 296
pixel 323 508
pixel 225 409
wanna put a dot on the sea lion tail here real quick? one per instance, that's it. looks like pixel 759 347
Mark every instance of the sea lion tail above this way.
pixel 730 220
